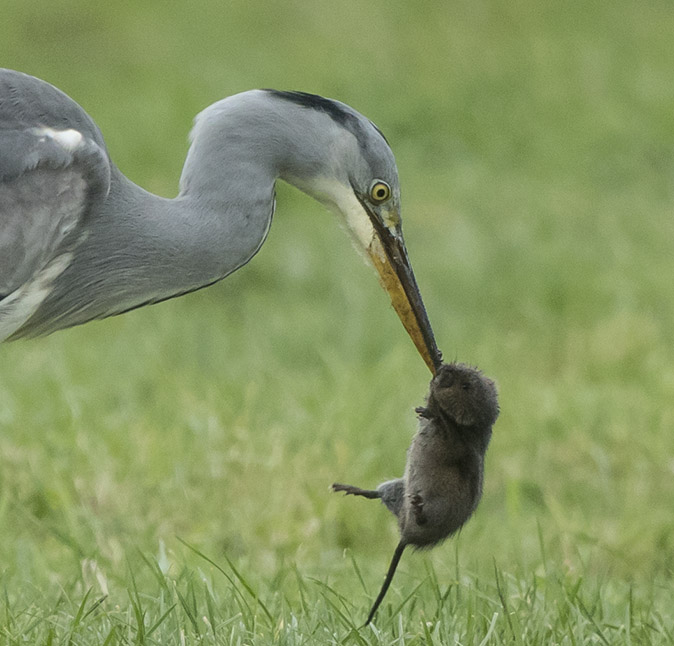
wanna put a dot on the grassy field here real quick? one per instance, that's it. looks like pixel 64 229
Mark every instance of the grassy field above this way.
pixel 164 475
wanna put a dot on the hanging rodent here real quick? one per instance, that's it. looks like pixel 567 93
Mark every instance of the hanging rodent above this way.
pixel 442 484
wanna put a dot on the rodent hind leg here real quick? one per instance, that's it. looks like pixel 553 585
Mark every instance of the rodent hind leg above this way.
pixel 350 490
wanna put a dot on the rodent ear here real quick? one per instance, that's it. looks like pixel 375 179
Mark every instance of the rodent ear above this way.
pixel 443 377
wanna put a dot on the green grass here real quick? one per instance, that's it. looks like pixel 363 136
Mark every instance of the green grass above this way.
pixel 164 475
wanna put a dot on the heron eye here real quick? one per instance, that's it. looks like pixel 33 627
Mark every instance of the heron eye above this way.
pixel 380 192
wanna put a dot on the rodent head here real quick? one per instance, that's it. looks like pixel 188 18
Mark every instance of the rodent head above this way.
pixel 465 395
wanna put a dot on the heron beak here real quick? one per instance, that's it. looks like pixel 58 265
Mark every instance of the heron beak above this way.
pixel 389 256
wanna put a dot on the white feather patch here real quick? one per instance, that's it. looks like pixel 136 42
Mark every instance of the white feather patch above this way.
pixel 68 139
pixel 341 199
pixel 21 304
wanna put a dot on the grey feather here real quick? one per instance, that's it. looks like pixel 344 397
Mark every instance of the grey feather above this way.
pixel 127 247
pixel 38 209
pixel 26 102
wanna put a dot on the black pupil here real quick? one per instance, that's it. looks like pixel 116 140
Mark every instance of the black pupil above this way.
pixel 381 193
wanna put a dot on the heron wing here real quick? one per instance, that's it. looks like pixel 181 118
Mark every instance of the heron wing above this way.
pixel 49 181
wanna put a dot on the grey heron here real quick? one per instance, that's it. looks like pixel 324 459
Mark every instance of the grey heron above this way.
pixel 79 241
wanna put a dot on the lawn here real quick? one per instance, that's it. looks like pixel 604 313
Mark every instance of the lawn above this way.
pixel 164 475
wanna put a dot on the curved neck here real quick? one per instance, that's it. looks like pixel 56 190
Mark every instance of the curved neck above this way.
pixel 139 248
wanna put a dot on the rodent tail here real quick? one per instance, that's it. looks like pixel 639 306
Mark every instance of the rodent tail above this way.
pixel 387 581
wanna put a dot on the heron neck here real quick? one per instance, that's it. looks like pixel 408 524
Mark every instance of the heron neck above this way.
pixel 141 248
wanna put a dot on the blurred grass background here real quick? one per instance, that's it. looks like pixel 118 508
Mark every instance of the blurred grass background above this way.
pixel 535 143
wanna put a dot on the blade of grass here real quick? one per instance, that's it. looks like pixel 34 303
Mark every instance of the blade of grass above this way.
pixel 159 621
pixel 591 619
pixel 188 611
pixel 516 634
pixel 406 599
pixel 358 572
pixel 237 574
pixel 78 616
pixel 490 630
pixel 94 606
pixel 348 623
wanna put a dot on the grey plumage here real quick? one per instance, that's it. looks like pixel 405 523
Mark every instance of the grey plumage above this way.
pixel 442 483
pixel 80 241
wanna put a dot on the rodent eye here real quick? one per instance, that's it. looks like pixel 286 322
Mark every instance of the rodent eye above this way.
pixel 465 385
pixel 380 191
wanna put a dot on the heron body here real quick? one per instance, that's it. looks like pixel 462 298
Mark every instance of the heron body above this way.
pixel 80 241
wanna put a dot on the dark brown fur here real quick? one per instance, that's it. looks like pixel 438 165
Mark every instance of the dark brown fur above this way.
pixel 442 484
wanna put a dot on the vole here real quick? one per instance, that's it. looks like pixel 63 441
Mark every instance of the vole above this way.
pixel 442 483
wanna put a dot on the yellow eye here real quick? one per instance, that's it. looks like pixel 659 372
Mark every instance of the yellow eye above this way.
pixel 380 191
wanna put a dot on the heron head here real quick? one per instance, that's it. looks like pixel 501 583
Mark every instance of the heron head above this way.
pixel 347 164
